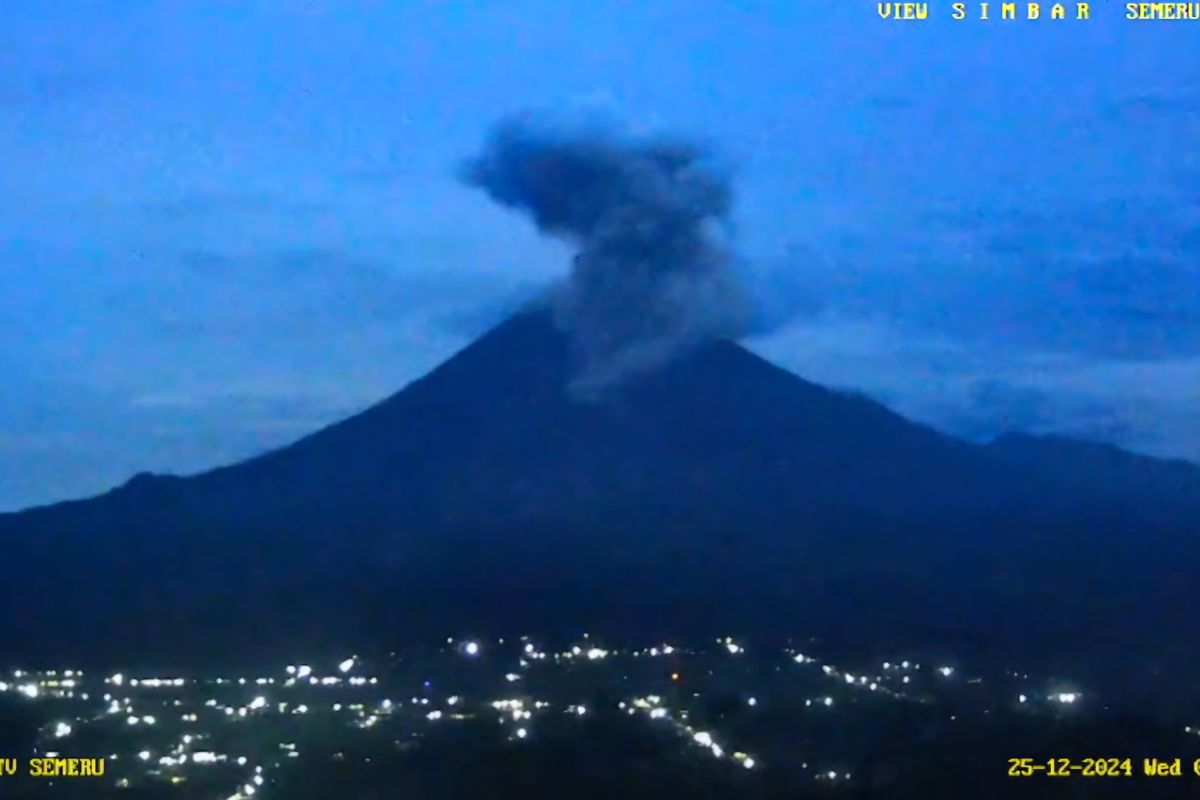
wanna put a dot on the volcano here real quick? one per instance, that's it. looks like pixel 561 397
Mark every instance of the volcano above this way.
pixel 717 493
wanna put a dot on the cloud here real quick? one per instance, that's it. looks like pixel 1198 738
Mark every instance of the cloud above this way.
pixel 216 203
pixel 1177 103
pixel 890 103
pixel 19 90
pixel 325 291
pixel 968 389
pixel 647 218
pixel 214 356
pixel 1015 403
pixel 66 438
pixel 1082 320
pixel 1115 279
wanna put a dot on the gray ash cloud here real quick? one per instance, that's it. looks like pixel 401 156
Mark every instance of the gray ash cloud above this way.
pixel 653 273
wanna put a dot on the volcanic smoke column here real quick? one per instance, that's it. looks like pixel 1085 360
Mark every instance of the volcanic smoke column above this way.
pixel 652 274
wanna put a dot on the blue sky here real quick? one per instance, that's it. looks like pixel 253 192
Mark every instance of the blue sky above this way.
pixel 223 224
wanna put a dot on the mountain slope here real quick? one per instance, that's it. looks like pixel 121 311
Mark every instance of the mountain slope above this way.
pixel 1172 487
pixel 719 491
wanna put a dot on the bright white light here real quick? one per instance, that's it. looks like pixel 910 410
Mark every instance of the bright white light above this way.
pixel 522 733
pixel 30 690
pixel 346 665
pixel 828 701
pixel 62 729
pixel 596 653
pixel 748 763
pixel 117 679
pixel 732 648
pixel 304 671
pixel 657 713
pixel 144 755
pixel 581 710
pixel 471 648
pixel 512 676
pixel 1067 697
pixel 703 738
pixel 258 702
pixel 1022 699
pixel 433 716
pixel 946 671
pixel 752 701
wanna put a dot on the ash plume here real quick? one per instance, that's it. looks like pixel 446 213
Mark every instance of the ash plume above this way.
pixel 653 273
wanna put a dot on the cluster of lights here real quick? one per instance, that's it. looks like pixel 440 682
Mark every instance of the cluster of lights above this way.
pixel 653 707
pixel 239 700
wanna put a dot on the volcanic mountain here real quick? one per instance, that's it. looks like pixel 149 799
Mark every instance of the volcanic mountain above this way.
pixel 718 493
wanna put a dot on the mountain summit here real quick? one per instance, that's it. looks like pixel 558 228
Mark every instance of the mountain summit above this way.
pixel 716 493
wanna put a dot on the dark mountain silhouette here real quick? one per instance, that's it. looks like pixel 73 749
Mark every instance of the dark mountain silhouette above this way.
pixel 716 494
pixel 1166 488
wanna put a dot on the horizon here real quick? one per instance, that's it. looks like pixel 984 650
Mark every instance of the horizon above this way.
pixel 540 309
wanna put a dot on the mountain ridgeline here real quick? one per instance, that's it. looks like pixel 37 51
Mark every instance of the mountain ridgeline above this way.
pixel 716 494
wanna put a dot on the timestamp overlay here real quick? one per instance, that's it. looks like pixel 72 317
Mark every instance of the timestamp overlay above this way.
pixel 1039 12
pixel 1113 767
